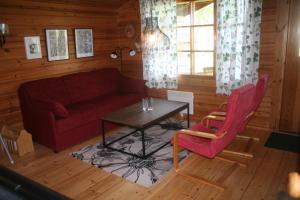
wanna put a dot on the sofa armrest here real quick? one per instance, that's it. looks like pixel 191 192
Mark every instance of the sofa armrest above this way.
pixel 56 108
pixel 131 85
pixel 44 128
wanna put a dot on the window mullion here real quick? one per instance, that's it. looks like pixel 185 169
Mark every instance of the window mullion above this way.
pixel 192 46
pixel 193 5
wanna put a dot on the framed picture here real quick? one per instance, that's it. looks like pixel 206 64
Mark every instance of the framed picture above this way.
pixel 84 43
pixel 33 47
pixel 57 44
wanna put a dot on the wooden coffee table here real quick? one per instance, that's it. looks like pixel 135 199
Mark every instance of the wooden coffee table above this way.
pixel 134 117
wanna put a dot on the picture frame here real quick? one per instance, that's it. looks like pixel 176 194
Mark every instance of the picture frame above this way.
pixel 57 44
pixel 33 47
pixel 84 43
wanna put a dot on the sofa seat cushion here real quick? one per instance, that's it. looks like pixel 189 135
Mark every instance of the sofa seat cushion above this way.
pixel 91 110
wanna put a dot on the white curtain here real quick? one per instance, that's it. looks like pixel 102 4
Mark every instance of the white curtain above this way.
pixel 238 41
pixel 160 65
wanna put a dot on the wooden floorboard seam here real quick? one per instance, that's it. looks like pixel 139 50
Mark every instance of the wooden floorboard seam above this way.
pixel 255 172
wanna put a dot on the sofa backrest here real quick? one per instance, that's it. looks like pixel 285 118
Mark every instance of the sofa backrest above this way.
pixel 86 85
pixel 50 88
pixel 75 88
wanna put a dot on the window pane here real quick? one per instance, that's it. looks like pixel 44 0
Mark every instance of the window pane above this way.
pixel 204 38
pixel 204 13
pixel 204 62
pixel 184 62
pixel 183 14
pixel 183 38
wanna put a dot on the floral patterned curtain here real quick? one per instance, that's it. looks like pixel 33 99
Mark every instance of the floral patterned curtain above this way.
pixel 238 43
pixel 160 65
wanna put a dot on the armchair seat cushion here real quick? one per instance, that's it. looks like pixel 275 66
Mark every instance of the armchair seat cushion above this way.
pixel 197 144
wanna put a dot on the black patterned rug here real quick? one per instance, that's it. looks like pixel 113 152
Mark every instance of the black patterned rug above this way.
pixel 141 171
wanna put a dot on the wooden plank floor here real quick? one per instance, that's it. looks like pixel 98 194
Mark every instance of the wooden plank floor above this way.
pixel 263 178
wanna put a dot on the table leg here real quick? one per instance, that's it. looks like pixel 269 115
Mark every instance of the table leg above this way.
pixel 103 133
pixel 188 116
pixel 143 142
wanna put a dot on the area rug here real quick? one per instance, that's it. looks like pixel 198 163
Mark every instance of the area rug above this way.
pixel 144 172
pixel 283 141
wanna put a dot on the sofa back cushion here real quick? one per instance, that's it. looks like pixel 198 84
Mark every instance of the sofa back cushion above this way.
pixel 50 88
pixel 87 85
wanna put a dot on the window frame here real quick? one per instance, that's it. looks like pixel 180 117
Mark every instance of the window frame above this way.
pixel 192 40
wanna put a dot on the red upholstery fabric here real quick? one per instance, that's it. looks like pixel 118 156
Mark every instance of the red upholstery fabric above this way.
pixel 239 106
pixel 215 124
pixel 93 110
pixel 260 91
pixel 50 88
pixel 60 112
pixel 87 85
pixel 57 108
pixel 130 85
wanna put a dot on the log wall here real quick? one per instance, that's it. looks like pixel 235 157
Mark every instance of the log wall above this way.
pixel 109 21
pixel 272 57
pixel 31 18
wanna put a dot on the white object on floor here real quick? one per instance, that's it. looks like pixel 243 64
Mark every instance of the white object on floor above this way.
pixel 6 149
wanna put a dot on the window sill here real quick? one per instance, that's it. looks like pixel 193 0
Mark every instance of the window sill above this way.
pixel 197 76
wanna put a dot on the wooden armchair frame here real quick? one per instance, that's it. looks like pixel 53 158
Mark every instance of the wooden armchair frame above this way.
pixel 223 106
pixel 214 116
pixel 202 135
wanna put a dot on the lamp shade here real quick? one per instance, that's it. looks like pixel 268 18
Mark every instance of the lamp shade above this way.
pixel 118 52
pixel 4 30
pixel 132 52
pixel 153 37
pixel 114 55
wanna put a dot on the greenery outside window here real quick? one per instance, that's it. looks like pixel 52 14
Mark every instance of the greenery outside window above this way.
pixel 195 37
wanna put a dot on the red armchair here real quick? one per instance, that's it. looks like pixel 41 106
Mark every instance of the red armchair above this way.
pixel 208 143
pixel 216 117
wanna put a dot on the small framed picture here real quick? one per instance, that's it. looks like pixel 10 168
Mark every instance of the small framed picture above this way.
pixel 57 44
pixel 33 47
pixel 84 43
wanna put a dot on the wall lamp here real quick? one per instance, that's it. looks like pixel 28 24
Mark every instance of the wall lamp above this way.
pixel 4 31
pixel 117 54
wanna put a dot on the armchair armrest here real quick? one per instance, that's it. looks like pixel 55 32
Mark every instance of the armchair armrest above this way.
pixel 218 113
pixel 131 85
pixel 201 134
pixel 205 120
pixel 56 108
pixel 223 106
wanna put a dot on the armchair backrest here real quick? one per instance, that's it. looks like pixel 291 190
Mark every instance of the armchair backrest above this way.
pixel 239 107
pixel 260 91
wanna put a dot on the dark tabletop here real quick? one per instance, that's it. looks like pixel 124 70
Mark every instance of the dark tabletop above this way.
pixel 134 116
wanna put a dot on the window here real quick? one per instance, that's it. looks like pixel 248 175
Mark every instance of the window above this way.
pixel 195 37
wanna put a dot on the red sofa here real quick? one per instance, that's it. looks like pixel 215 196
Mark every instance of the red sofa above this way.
pixel 60 112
